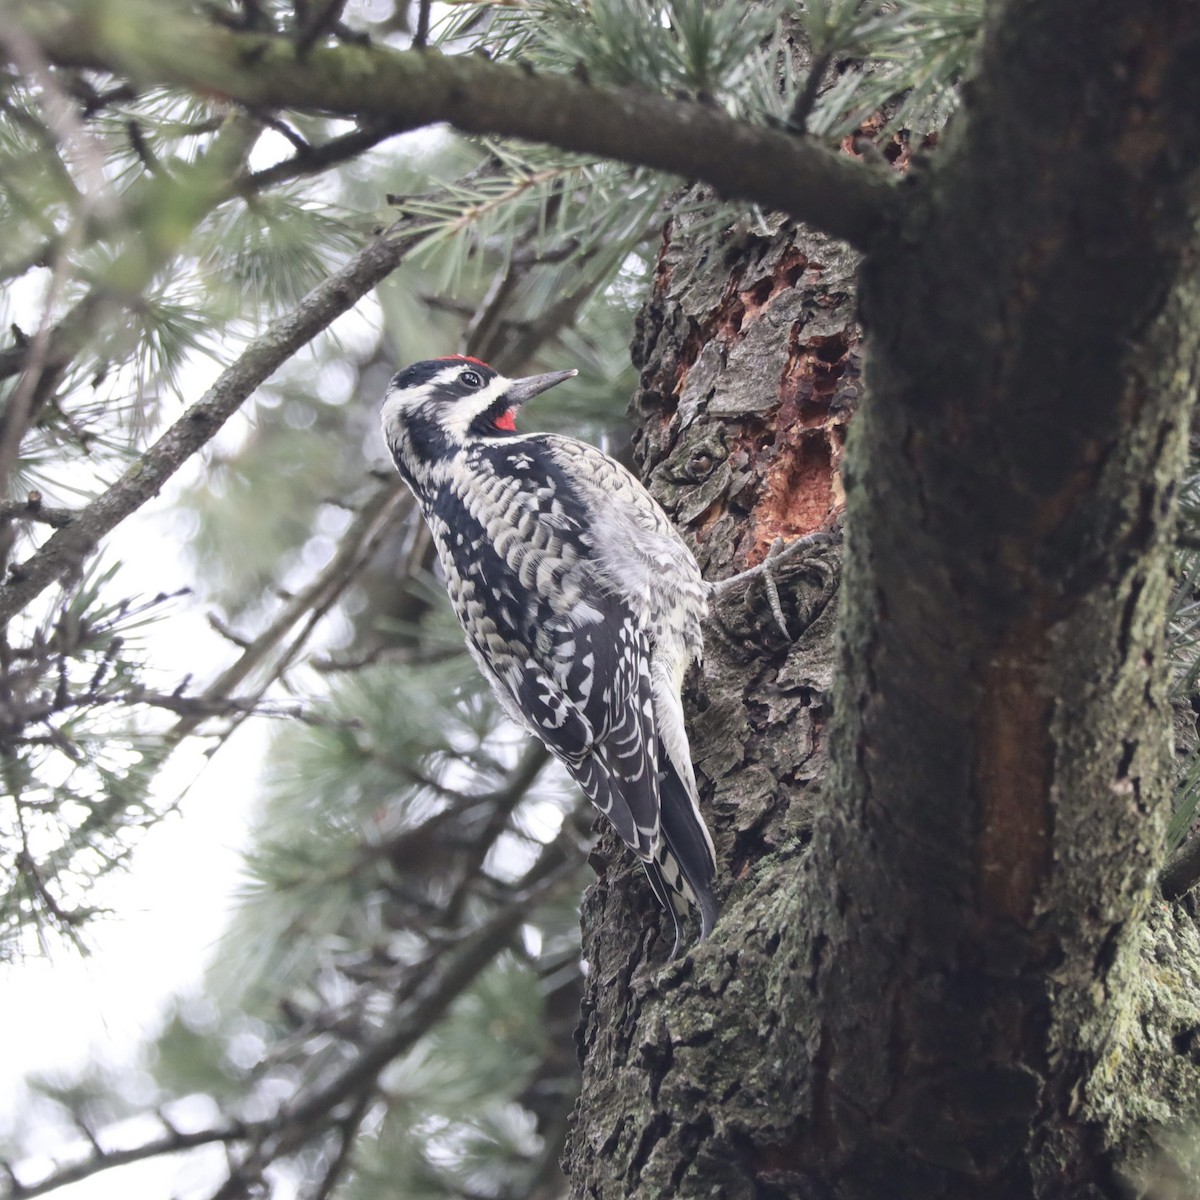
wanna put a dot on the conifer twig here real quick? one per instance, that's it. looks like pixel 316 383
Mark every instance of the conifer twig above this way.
pixel 295 1124
pixel 33 510
pixel 421 36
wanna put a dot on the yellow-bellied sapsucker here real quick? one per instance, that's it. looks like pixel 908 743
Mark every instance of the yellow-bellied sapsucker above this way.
pixel 581 604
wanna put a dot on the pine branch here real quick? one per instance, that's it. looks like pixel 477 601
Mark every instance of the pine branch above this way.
pixel 35 356
pixel 501 806
pixel 41 256
pixel 484 332
pixel 161 213
pixel 319 24
pixel 455 968
pixel 449 974
pixel 310 604
pixel 315 158
pixel 408 89
pixel 132 215
pixel 68 547
pixel 348 1129
pixel 802 109
pixel 41 360
pixel 421 36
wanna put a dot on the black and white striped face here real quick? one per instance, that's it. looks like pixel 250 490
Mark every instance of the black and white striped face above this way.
pixel 434 409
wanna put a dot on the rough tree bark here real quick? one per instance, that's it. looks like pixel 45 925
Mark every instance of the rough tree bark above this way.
pixel 1002 668
pixel 965 985
pixel 750 364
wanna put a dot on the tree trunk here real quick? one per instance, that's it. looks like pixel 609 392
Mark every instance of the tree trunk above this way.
pixel 1002 768
pixel 964 986
pixel 750 369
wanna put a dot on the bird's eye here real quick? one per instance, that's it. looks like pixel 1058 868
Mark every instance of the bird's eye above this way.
pixel 471 379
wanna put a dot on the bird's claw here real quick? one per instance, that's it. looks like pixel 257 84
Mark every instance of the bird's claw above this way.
pixel 773 596
pixel 779 553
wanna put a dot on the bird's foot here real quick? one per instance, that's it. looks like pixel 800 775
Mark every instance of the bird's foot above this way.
pixel 779 555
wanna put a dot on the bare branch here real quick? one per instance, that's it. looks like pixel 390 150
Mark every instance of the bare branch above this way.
pixel 797 120
pixel 316 158
pixel 348 1129
pixel 407 89
pixel 40 256
pixel 421 36
pixel 501 805
pixel 33 510
pixel 319 24
pixel 299 144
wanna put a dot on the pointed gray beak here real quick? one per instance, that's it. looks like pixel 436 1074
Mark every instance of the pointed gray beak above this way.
pixel 533 385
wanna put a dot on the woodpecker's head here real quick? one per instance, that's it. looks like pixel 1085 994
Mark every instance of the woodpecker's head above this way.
pixel 434 409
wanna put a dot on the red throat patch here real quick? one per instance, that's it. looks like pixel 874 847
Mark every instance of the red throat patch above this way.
pixel 507 421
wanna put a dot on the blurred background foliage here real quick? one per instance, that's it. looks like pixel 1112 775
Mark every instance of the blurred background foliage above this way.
pixel 390 1012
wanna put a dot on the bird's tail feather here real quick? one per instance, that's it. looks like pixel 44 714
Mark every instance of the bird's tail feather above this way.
pixel 688 864
pixel 667 897
pixel 678 855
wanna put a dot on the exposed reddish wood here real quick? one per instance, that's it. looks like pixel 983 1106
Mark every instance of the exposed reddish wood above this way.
pixel 800 479
pixel 797 463
pixel 897 148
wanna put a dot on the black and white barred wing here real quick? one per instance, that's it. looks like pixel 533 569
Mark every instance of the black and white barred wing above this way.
pixel 565 655
pixel 596 677
pixel 644 558
pixel 587 690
